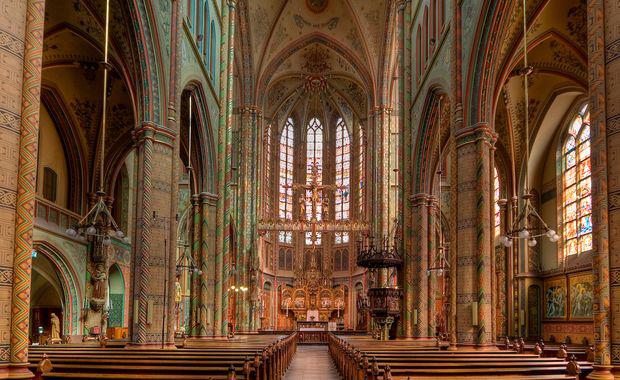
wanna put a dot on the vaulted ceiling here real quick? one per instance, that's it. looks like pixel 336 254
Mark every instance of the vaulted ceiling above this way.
pixel 73 74
pixel 292 42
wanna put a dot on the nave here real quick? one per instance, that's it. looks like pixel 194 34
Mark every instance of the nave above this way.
pixel 349 357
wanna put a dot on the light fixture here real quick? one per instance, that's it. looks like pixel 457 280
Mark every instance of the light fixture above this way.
pixel 98 222
pixel 522 226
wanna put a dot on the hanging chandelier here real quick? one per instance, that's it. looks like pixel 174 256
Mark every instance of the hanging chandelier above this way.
pixel 98 221
pixel 441 265
pixel 522 226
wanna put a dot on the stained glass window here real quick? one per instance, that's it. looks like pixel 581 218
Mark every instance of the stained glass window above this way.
pixel 577 183
pixel 343 177
pixel 497 221
pixel 362 171
pixel 314 173
pixel 267 187
pixel 285 237
pixel 285 201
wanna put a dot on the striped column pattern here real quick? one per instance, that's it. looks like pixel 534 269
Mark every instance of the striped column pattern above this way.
pixel 26 180
pixel 140 329
pixel 603 63
pixel 407 175
pixel 474 146
pixel 221 184
pixel 195 279
pixel 203 264
pixel 419 203
pixel 228 196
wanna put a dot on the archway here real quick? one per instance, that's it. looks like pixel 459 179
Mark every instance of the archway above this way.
pixel 53 290
pixel 116 298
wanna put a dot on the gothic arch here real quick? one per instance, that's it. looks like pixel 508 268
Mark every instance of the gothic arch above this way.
pixel 73 294
pixel 425 149
pixel 73 147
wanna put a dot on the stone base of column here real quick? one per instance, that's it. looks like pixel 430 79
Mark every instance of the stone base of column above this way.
pixel 453 347
pixel 15 371
pixel 601 372
pixel 487 347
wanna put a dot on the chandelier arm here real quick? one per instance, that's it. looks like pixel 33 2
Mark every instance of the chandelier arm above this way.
pixel 105 93
pixel 537 215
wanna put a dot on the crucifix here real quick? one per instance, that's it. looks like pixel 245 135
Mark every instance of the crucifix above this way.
pixel 315 198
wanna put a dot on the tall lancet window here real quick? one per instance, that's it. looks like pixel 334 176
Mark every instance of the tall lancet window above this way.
pixel 285 202
pixel 314 172
pixel 577 184
pixel 497 219
pixel 343 178
pixel 362 171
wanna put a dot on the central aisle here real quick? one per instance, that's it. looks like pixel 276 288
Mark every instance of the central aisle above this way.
pixel 312 363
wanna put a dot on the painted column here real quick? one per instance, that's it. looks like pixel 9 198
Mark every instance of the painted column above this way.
pixel 383 116
pixel 457 125
pixel 474 228
pixel 21 25
pixel 433 210
pixel 420 303
pixel 604 70
pixel 206 304
pixel 156 150
pixel 222 224
pixel 246 252
pixel 196 326
pixel 143 231
pixel 174 104
pixel 225 167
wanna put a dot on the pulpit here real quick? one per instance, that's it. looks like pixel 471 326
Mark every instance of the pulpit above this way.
pixel 384 301
pixel 384 308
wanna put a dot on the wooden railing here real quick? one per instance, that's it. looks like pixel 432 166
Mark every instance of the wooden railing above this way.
pixel 53 217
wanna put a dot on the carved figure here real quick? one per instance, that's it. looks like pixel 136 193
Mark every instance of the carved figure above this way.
pixel 55 333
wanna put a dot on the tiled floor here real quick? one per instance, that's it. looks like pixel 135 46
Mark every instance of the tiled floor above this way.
pixel 312 363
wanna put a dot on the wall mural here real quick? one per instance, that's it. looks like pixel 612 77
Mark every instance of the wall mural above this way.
pixel 574 302
pixel 581 296
pixel 555 298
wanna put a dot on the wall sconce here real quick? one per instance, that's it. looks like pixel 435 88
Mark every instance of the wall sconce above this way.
pixel 474 313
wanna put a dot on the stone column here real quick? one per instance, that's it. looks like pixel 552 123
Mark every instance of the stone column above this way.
pixel 382 118
pixel 604 70
pixel 246 251
pixel 156 151
pixel 174 104
pixel 222 258
pixel 419 298
pixel 196 327
pixel 432 280
pixel 208 207
pixel 21 47
pixel 474 228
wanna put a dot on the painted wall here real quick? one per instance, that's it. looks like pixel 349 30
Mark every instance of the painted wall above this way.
pixel 51 155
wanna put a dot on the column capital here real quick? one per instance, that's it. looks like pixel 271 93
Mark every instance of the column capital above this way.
pixel 251 109
pixel 209 198
pixel 420 199
pixel 380 110
pixel 473 133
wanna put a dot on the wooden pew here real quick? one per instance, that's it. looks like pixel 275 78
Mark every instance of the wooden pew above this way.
pixel 367 359
pixel 250 360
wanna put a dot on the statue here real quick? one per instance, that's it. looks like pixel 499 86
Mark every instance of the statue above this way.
pixel 178 296
pixel 55 333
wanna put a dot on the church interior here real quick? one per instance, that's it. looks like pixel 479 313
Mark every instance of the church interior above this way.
pixel 309 189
